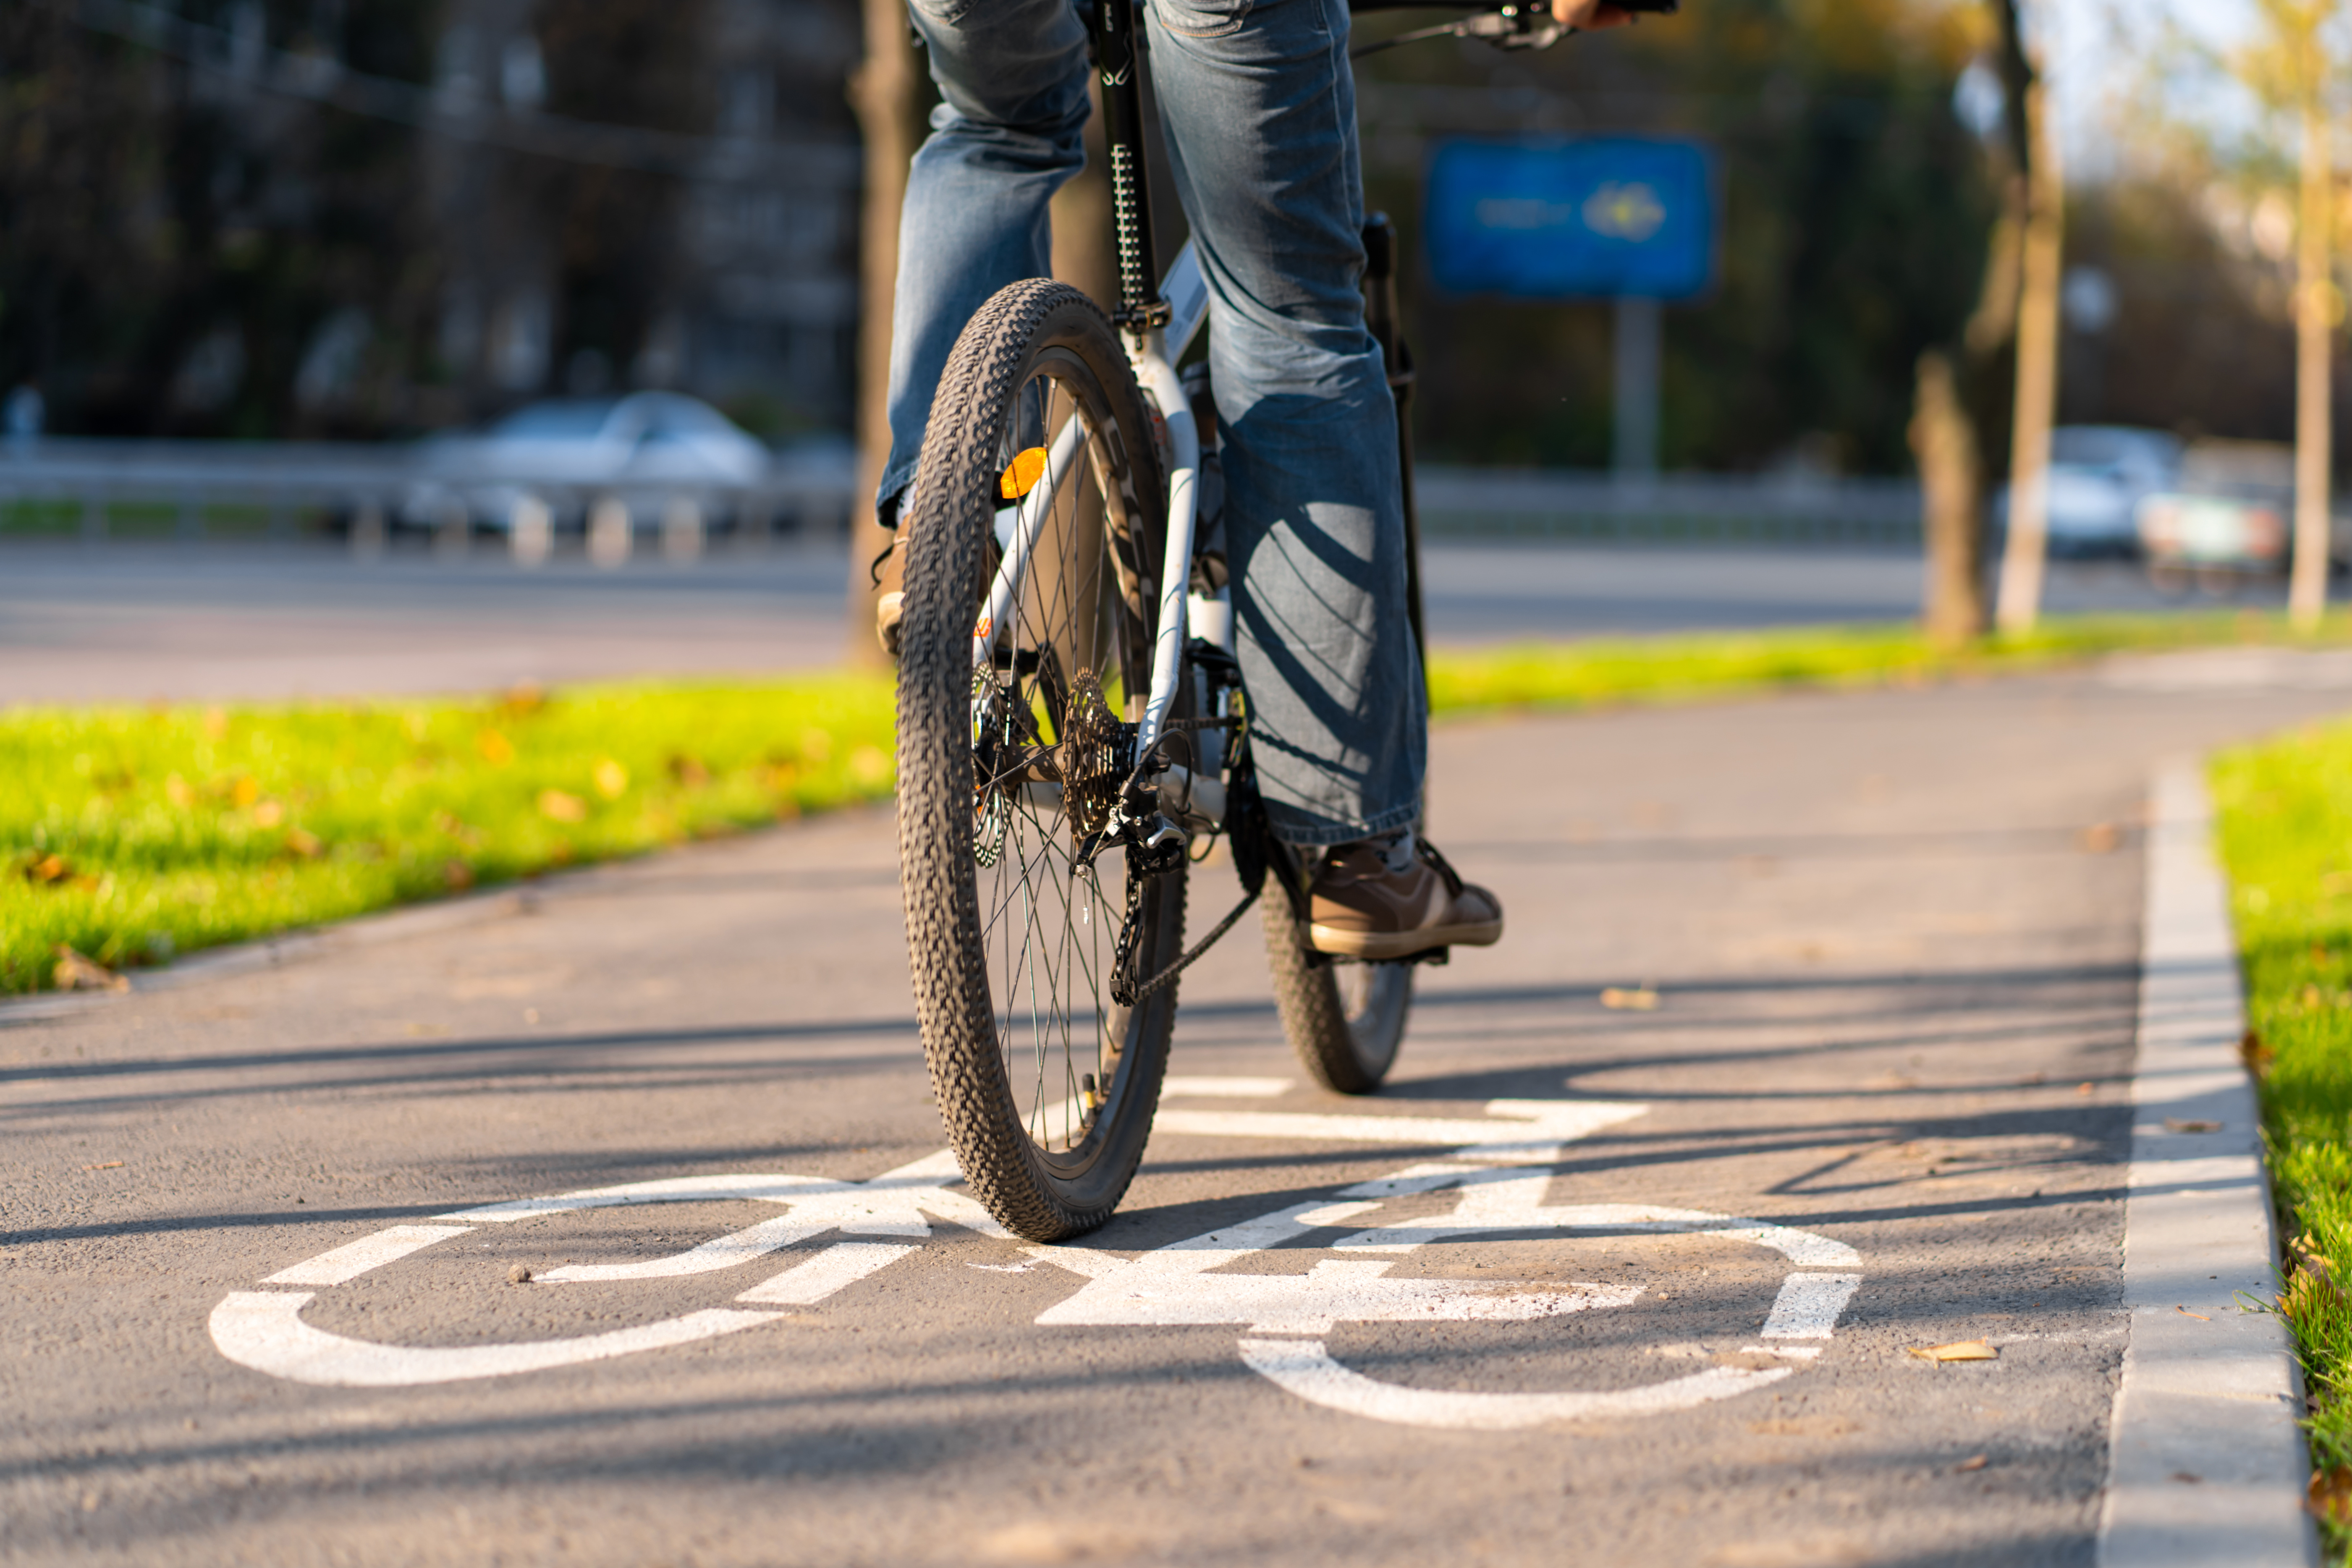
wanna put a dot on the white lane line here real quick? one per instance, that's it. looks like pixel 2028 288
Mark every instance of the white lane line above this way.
pixel 1307 1370
pixel 1224 1088
pixel 835 1267
pixel 2215 1397
pixel 264 1330
pixel 1808 1305
pixel 719 1252
pixel 349 1262
pixel 1548 1123
pixel 671 1190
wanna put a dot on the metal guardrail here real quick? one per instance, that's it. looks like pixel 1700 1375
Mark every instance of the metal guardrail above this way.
pixel 83 488
pixel 1677 509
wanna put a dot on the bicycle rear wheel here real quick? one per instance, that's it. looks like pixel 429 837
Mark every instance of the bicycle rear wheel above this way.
pixel 1010 762
pixel 1344 1020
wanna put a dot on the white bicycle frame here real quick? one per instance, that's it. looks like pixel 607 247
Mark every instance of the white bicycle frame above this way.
pixel 1153 357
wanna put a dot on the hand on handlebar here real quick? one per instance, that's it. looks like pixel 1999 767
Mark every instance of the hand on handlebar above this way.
pixel 1585 16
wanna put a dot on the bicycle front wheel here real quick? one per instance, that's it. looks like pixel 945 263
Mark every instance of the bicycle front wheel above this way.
pixel 1035 535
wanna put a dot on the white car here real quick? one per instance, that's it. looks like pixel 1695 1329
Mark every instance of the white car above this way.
pixel 2099 474
pixel 642 447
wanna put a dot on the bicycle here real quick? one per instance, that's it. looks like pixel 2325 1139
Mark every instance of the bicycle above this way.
pixel 1072 717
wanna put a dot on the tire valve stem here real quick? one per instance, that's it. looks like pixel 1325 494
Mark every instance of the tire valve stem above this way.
pixel 1088 1097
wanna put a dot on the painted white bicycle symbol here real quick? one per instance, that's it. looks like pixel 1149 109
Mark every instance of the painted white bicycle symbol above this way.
pixel 1500 1169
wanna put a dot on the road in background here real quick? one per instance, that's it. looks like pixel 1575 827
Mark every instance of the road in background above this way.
pixel 130 623
pixel 1894 942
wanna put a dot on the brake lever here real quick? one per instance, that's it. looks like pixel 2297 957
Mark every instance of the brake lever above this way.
pixel 1513 26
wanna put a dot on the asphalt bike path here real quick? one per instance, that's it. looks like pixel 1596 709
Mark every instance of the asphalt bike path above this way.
pixel 621 1232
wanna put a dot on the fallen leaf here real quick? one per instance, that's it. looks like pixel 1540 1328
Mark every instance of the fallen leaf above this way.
pixel 75 973
pixel 688 770
pixel 2186 1313
pixel 2257 1056
pixel 1631 999
pixel 496 749
pixel 306 844
pixel 268 813
pixel 611 778
pixel 1960 1350
pixel 560 808
pixel 1973 1462
pixel 2086 1089
pixel 2099 838
pixel 457 875
pixel 2190 1124
pixel 2330 1495
pixel 524 697
pixel 215 724
pixel 244 790
pixel 47 870
pixel 176 791
pixel 105 1166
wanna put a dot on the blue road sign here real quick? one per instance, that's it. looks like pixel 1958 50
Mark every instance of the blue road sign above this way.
pixel 1600 218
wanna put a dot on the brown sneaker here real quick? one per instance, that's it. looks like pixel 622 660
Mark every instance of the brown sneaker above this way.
pixel 1381 899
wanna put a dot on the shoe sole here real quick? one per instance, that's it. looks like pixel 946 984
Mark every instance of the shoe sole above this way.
pixel 1383 945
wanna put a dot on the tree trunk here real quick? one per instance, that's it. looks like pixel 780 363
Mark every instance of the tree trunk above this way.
pixel 2316 305
pixel 886 91
pixel 1951 484
pixel 2037 372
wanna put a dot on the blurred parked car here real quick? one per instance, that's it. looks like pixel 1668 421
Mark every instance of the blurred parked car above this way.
pixel 642 447
pixel 2099 474
pixel 2229 515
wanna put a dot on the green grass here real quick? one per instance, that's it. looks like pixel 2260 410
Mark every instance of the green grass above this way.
pixel 134 834
pixel 1686 668
pixel 2285 835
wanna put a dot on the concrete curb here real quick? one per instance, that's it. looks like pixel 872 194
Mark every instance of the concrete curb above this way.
pixel 268 952
pixel 2205 1461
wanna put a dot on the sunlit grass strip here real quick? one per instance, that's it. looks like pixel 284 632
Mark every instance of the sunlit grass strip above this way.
pixel 132 834
pixel 1685 668
pixel 2285 833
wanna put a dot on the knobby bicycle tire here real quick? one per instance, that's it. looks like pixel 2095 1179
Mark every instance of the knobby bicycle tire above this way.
pixel 1345 1022
pixel 1046 1085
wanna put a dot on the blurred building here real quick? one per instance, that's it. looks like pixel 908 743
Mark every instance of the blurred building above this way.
pixel 714 252
pixel 368 217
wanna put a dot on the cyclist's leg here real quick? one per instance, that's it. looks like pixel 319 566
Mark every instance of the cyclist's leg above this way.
pixel 1009 133
pixel 1260 108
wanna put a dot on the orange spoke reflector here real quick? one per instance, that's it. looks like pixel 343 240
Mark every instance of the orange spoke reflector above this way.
pixel 1022 476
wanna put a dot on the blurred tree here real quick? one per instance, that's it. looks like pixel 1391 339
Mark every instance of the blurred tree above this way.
pixel 1855 211
pixel 618 252
pixel 181 254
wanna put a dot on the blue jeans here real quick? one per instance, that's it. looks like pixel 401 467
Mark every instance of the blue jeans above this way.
pixel 1259 108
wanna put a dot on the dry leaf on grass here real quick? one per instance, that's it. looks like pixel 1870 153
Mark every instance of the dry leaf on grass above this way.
pixel 1631 999
pixel 1959 1350
pixel 75 972
pixel 558 806
pixel 2330 1495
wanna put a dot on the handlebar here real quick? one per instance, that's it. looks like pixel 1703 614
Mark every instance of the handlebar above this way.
pixel 1505 24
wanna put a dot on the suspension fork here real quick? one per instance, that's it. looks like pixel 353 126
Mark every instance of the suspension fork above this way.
pixel 1118 60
